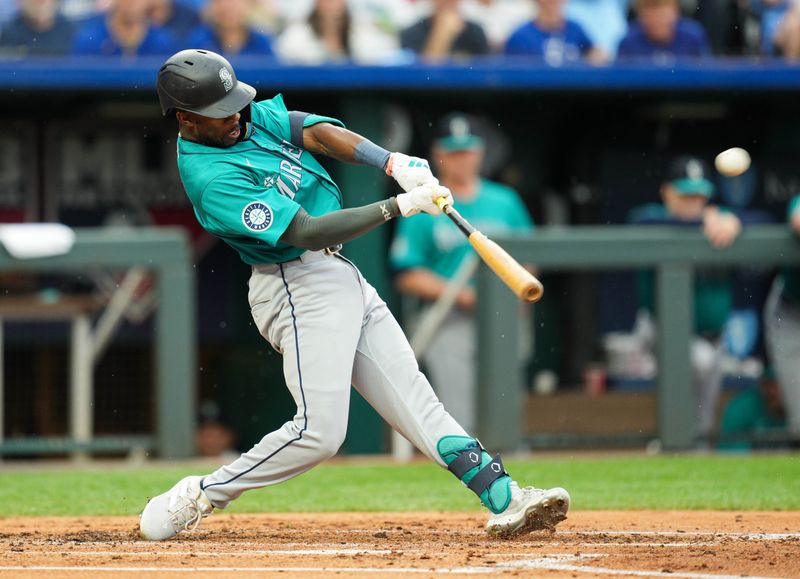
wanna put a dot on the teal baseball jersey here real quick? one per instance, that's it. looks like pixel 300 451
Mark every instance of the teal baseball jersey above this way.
pixel 248 194
pixel 437 244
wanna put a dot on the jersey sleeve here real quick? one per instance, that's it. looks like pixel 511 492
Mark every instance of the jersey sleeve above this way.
pixel 412 245
pixel 234 205
pixel 299 120
pixel 794 206
pixel 284 125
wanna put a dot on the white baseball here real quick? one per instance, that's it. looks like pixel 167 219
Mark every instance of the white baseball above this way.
pixel 732 162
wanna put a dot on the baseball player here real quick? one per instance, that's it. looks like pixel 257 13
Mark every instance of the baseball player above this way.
pixel 426 252
pixel 249 171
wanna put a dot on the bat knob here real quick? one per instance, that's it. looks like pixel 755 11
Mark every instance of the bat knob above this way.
pixel 442 203
pixel 533 293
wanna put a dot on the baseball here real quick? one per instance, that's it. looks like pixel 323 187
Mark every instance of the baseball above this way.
pixel 732 162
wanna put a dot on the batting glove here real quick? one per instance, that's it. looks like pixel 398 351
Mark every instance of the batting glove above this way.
pixel 423 198
pixel 409 172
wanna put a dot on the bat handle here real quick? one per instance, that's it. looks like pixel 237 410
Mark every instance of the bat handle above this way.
pixel 443 205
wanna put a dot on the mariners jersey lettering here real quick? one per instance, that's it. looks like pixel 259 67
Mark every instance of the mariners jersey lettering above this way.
pixel 248 194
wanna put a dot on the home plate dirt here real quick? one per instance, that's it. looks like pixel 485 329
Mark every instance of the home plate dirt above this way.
pixel 694 544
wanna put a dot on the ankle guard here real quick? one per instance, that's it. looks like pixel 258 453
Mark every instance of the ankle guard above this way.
pixel 471 464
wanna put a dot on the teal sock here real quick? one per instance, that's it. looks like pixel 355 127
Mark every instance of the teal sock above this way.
pixel 498 495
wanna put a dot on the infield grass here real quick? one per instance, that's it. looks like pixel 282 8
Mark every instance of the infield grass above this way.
pixel 717 482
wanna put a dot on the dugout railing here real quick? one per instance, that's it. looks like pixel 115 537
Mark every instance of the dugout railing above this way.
pixel 166 253
pixel 672 253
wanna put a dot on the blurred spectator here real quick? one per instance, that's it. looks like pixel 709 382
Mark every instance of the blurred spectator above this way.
pixel 769 14
pixel 427 252
pixel 333 32
pixel 782 325
pixel 228 30
pixel 178 18
pixel 753 412
pixel 38 29
pixel 552 37
pixel 8 10
pixel 685 194
pixel 786 41
pixel 198 5
pixel 498 18
pixel 445 33
pixel 124 30
pixel 725 23
pixel 662 34
pixel 604 21
pixel 81 9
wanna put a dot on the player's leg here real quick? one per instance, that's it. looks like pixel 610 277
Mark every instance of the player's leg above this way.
pixel 781 330
pixel 387 375
pixel 450 365
pixel 312 314
pixel 708 373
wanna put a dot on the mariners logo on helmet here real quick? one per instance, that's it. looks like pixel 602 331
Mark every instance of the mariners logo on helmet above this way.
pixel 257 216
pixel 226 78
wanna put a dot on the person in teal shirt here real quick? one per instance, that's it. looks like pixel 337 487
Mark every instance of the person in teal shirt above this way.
pixel 426 253
pixel 249 170
pixel 686 192
pixel 782 329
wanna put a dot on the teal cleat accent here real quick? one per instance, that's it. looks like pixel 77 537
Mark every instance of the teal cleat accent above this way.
pixel 472 465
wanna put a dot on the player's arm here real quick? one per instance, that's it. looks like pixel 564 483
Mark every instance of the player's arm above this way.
pixel 720 227
pixel 340 226
pixel 337 142
pixel 428 286
pixel 349 147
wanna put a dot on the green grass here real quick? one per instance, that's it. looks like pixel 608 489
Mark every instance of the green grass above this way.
pixel 741 482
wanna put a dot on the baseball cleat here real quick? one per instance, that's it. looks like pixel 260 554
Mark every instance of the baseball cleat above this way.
pixel 529 510
pixel 179 509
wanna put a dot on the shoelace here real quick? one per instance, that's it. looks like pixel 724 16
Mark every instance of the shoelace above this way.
pixel 194 519
pixel 192 523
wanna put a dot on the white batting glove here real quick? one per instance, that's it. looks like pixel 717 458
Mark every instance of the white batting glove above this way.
pixel 410 172
pixel 423 198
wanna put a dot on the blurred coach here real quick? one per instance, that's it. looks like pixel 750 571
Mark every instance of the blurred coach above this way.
pixel 428 252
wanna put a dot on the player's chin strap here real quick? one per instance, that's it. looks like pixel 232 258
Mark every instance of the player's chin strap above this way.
pixel 471 464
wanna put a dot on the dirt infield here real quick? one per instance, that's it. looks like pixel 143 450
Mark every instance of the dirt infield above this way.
pixel 637 543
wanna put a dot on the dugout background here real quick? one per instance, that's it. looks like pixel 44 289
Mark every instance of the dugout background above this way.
pixel 89 157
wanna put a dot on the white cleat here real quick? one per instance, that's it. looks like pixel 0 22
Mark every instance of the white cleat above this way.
pixel 529 510
pixel 181 508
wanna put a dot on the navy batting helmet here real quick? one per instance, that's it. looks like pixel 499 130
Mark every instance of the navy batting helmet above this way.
pixel 202 82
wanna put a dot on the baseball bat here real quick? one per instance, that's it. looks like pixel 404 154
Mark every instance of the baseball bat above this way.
pixel 520 280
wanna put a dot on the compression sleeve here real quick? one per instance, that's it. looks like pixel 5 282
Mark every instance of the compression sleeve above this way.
pixel 315 233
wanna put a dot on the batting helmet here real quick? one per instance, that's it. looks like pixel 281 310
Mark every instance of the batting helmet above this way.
pixel 202 82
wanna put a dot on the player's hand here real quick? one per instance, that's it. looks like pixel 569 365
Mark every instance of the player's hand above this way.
pixel 423 198
pixel 410 172
pixel 720 228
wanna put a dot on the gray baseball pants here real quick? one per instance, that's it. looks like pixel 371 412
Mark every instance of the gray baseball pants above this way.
pixel 333 331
